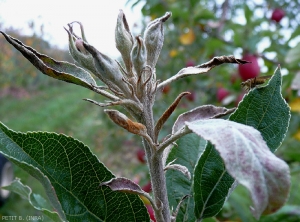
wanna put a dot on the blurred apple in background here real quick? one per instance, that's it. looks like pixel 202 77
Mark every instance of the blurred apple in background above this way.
pixel 166 89
pixel 222 93
pixel 249 70
pixel 190 63
pixel 277 15
pixel 140 154
pixel 239 98
pixel 191 97
pixel 147 188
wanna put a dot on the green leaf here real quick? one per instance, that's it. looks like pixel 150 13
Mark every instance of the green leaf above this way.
pixel 265 109
pixel 71 175
pixel 186 153
pixel 248 159
pixel 248 14
pixel 59 70
pixel 211 183
pixel 37 201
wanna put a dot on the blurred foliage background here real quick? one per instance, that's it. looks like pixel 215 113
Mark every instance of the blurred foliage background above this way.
pixel 197 31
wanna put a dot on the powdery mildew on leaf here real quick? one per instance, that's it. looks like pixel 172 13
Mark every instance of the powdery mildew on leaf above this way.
pixel 248 159
pixel 199 113
pixel 59 70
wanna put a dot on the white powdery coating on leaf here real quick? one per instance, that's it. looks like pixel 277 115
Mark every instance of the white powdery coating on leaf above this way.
pixel 249 160
pixel 199 113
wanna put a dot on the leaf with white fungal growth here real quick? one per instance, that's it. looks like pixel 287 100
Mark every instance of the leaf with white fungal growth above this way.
pixel 248 159
pixel 80 55
pixel 108 71
pixel 154 39
pixel 124 185
pixel 138 55
pixel 204 68
pixel 124 40
pixel 57 69
pixel 200 113
pixel 183 169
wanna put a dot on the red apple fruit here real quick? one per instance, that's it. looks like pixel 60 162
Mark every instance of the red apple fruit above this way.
pixel 190 63
pixel 141 155
pixel 221 94
pixel 191 97
pixel 277 15
pixel 239 98
pixel 147 188
pixel 166 89
pixel 249 70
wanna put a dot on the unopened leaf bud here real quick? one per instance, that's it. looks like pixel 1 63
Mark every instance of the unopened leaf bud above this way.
pixel 79 53
pixel 80 47
pixel 124 40
pixel 154 37
pixel 107 70
pixel 138 55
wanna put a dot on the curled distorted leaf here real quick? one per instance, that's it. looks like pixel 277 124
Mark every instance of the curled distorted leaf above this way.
pixel 167 113
pixel 200 113
pixel 183 169
pixel 124 40
pixel 124 185
pixel 138 55
pixel 59 70
pixel 216 61
pixel 126 123
pixel 108 71
pixel 154 38
pixel 82 58
pixel 248 159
